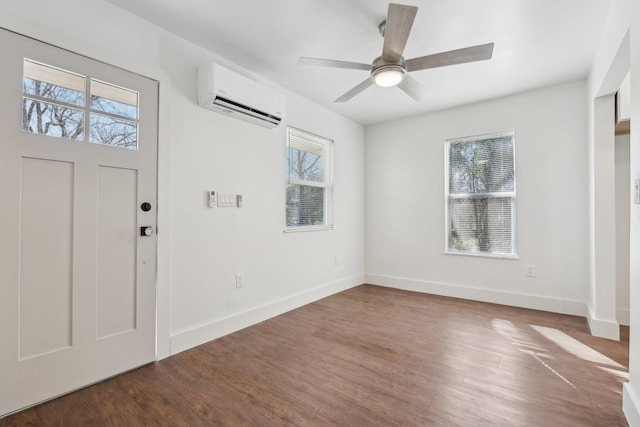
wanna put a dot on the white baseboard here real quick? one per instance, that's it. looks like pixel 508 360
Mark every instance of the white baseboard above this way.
pixel 603 328
pixel 631 404
pixel 190 338
pixel 536 302
pixel 623 316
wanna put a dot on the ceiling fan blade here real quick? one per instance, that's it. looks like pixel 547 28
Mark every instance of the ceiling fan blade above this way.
pixel 396 32
pixel 333 63
pixel 459 56
pixel 414 88
pixel 356 90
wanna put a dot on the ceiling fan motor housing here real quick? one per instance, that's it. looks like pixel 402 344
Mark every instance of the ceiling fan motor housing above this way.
pixel 386 73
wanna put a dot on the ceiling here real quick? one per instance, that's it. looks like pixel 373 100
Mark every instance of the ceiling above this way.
pixel 537 43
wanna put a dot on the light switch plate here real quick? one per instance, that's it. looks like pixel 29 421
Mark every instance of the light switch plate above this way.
pixel 227 200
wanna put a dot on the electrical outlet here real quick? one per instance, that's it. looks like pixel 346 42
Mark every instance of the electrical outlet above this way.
pixel 531 271
pixel 239 280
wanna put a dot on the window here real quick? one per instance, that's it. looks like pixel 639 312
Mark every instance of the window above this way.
pixel 308 172
pixel 480 186
pixel 54 103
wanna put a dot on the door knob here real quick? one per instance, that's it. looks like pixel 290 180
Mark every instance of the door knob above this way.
pixel 146 206
pixel 146 230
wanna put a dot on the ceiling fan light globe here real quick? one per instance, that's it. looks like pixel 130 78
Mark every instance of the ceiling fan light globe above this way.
pixel 388 76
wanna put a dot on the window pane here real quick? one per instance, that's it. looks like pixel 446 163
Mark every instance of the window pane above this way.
pixel 114 99
pixel 51 119
pixel 116 132
pixel 305 205
pixel 53 83
pixel 481 225
pixel 306 156
pixel 481 197
pixel 305 165
pixel 308 170
pixel 482 165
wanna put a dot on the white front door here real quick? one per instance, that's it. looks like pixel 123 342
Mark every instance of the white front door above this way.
pixel 78 144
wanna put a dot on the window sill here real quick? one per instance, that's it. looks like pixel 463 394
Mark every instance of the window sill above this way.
pixel 308 228
pixel 482 255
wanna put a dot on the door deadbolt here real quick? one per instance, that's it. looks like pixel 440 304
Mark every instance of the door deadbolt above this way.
pixel 146 231
pixel 146 206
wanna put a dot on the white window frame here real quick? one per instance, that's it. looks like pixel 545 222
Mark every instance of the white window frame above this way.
pixel 448 197
pixel 327 184
pixel 89 87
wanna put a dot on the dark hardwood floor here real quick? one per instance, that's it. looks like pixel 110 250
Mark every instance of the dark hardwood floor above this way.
pixel 370 356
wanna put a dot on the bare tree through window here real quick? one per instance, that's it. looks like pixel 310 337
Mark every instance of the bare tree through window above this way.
pixel 57 118
pixel 54 103
pixel 481 194
pixel 307 185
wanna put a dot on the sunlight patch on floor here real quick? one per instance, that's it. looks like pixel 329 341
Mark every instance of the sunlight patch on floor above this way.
pixel 508 330
pixel 523 343
pixel 623 375
pixel 575 347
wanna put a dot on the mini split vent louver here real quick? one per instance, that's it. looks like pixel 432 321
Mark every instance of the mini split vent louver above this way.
pixel 224 91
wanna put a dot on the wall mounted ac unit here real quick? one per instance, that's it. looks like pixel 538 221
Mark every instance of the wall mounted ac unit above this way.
pixel 224 91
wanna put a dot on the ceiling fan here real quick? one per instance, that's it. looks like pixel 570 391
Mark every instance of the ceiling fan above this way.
pixel 391 68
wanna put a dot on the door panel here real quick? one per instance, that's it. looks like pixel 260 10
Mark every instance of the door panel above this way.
pixel 46 237
pixel 77 294
pixel 116 278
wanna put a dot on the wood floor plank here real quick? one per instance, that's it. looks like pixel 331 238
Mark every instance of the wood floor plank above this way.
pixel 371 356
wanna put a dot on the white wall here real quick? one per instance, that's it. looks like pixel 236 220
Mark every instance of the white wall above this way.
pixel 602 220
pixel 609 67
pixel 209 246
pixel 618 52
pixel 201 249
pixel 405 202
pixel 622 196
pixel 631 397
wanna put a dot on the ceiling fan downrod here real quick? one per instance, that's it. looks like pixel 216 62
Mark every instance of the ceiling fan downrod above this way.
pixel 382 27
